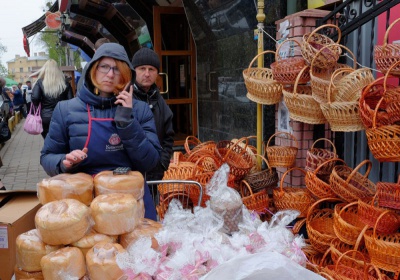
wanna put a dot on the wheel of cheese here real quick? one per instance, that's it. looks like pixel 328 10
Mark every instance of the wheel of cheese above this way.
pixel 30 249
pixel 65 263
pixel 91 239
pixel 27 275
pixel 146 228
pixel 101 261
pixel 106 182
pixel 77 186
pixel 115 213
pixel 63 221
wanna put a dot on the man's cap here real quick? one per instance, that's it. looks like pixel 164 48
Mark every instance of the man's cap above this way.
pixel 146 56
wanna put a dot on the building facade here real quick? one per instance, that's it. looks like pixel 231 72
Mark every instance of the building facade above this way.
pixel 21 67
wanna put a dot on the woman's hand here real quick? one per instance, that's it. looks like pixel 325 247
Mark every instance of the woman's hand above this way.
pixel 74 157
pixel 124 98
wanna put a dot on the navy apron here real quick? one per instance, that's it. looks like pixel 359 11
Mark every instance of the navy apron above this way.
pixel 106 152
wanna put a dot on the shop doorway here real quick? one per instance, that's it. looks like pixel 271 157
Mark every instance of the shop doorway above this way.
pixel 174 43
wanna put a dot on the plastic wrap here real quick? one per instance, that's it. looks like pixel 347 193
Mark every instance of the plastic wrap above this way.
pixel 92 238
pixel 115 213
pixel 145 228
pixel 63 221
pixel 77 186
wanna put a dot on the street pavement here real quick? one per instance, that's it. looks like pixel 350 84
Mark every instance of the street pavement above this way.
pixel 21 168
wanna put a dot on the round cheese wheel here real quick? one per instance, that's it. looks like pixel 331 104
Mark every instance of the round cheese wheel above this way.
pixel 146 228
pixel 77 186
pixel 63 221
pixel 101 261
pixel 27 275
pixel 91 239
pixel 106 182
pixel 30 249
pixel 115 213
pixel 65 263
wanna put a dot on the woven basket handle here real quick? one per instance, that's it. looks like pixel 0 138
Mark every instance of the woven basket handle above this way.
pixel 359 238
pixel 326 140
pixel 387 73
pixel 377 221
pixel 282 132
pixel 277 56
pixel 191 140
pixel 355 170
pixel 287 172
pixel 235 144
pixel 333 76
pixel 385 39
pixel 326 26
pixel 321 262
pixel 265 160
pixel 311 209
pixel 327 161
pixel 305 68
pixel 261 53
pixel 347 206
pixel 244 182
pixel 355 252
pixel 369 86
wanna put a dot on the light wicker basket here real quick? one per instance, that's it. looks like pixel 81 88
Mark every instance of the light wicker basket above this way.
pixel 261 86
pixel 282 155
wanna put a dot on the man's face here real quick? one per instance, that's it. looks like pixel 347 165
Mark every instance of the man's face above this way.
pixel 146 75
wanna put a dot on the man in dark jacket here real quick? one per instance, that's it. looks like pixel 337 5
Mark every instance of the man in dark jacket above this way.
pixel 147 66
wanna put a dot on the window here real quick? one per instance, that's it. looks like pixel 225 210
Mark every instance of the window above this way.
pixel 21 69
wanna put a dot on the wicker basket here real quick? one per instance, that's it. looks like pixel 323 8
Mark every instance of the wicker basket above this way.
pixel 392 98
pixel 346 224
pixel 313 42
pixel 342 116
pixel 384 249
pixel 258 201
pixel 387 54
pixel 285 71
pixel 318 185
pixel 251 150
pixel 317 156
pixel 280 155
pixel 319 225
pixel 388 194
pixel 264 179
pixel 351 185
pixel 300 103
pixel 193 144
pixel 294 198
pixel 260 84
pixel 183 197
pixel 369 99
pixel 384 141
pixel 369 212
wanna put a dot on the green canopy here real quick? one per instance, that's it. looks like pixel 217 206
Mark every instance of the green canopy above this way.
pixel 10 82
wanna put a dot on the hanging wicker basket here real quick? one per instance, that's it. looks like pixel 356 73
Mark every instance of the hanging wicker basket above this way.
pixel 260 84
pixel 286 70
pixel 317 156
pixel 388 194
pixel 300 103
pixel 387 54
pixel 294 198
pixel 281 155
pixel 351 185
pixel 313 42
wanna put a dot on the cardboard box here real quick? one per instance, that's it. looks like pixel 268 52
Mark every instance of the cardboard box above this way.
pixel 17 215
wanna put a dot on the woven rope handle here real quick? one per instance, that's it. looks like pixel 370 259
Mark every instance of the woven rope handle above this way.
pixel 385 39
pixel 327 161
pixel 326 26
pixel 284 175
pixel 191 139
pixel 282 132
pixel 355 252
pixel 327 140
pixel 254 59
pixel 355 170
pixel 244 182
pixel 277 56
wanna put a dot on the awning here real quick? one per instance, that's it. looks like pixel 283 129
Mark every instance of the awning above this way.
pixel 10 82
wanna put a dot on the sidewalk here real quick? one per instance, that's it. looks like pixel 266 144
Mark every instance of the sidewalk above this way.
pixel 21 168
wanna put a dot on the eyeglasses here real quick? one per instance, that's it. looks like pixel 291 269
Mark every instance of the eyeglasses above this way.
pixel 105 68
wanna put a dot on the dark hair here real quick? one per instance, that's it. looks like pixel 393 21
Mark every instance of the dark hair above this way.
pixel 100 42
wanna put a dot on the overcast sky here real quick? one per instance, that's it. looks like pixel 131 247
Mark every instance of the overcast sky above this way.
pixel 15 14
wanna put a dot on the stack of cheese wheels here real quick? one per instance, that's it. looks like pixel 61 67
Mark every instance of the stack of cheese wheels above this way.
pixel 30 249
pixel 65 263
pixel 63 221
pixel 115 213
pixel 78 186
pixel 101 261
pixel 92 238
pixel 106 182
pixel 146 228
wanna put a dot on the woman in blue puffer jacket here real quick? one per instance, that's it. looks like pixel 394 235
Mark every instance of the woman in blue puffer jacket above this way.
pixel 103 127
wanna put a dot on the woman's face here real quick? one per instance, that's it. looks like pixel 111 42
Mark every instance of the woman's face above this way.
pixel 107 75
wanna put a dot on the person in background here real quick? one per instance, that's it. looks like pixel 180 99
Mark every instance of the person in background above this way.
pixel 147 66
pixel 103 128
pixel 28 95
pixel 18 101
pixel 50 88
